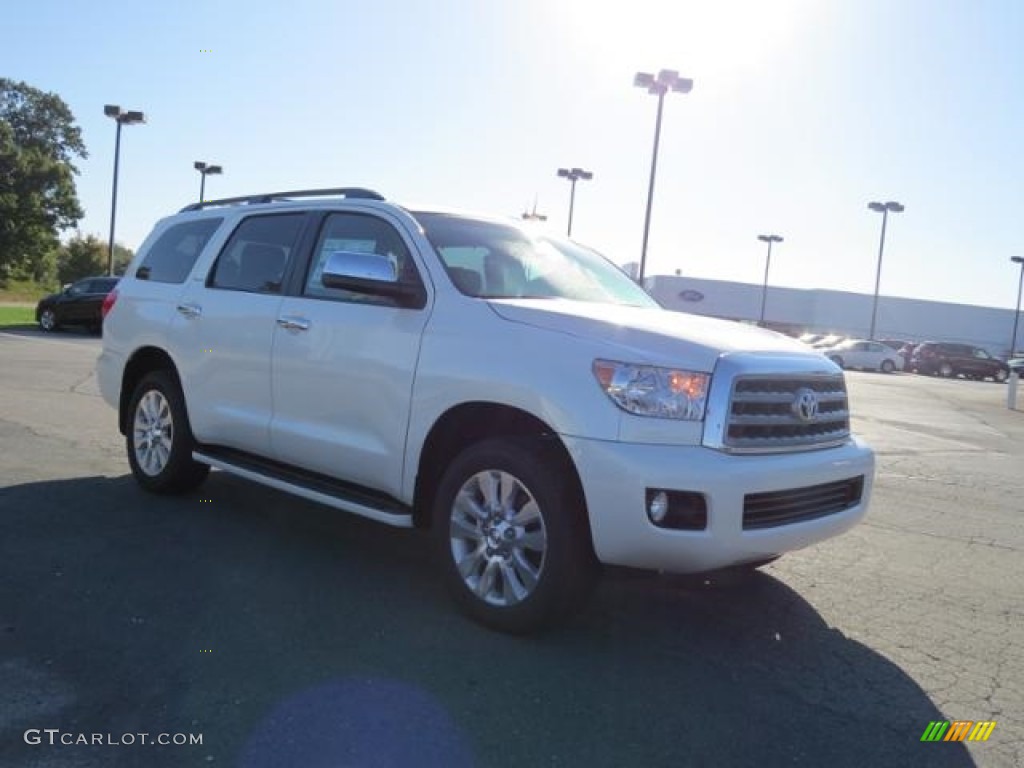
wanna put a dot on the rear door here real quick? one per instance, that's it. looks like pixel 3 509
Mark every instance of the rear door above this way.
pixel 982 364
pixel 95 294
pixel 223 332
pixel 74 305
pixel 344 362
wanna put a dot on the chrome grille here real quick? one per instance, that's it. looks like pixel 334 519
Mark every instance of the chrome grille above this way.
pixel 764 416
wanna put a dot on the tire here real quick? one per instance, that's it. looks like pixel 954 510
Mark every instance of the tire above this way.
pixel 945 370
pixel 48 320
pixel 1000 376
pixel 888 366
pixel 159 440
pixel 837 360
pixel 513 578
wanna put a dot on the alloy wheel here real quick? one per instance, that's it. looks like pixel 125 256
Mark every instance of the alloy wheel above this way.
pixel 498 538
pixel 153 432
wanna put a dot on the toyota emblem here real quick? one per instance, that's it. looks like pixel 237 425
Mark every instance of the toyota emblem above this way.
pixel 805 405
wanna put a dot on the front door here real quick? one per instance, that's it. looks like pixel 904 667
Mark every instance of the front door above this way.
pixel 344 364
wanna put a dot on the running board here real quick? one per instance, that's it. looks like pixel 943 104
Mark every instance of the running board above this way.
pixel 307 485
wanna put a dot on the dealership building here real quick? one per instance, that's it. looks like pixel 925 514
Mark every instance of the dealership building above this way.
pixel 795 310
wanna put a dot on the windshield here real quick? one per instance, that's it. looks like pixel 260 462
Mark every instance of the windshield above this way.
pixel 492 260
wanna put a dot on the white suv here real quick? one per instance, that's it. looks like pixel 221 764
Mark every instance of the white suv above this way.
pixel 512 391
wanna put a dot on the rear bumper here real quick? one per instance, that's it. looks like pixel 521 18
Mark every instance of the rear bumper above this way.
pixel 109 373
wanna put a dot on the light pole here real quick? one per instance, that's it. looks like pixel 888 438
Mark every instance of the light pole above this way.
pixel 767 262
pixel 667 80
pixel 204 171
pixel 573 175
pixel 1016 316
pixel 121 118
pixel 884 209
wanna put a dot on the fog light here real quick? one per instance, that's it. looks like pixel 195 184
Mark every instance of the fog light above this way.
pixel 677 510
pixel 657 510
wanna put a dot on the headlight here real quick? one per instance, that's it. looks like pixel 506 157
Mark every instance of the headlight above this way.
pixel 645 390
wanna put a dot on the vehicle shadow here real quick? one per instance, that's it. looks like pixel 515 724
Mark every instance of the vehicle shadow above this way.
pixel 288 634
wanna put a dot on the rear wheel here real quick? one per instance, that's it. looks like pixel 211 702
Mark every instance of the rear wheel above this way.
pixel 946 370
pixel 888 366
pixel 159 440
pixel 511 535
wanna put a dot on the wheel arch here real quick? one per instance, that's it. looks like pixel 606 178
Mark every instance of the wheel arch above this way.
pixel 143 361
pixel 468 423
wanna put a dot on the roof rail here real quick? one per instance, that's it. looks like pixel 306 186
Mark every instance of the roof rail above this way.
pixel 353 192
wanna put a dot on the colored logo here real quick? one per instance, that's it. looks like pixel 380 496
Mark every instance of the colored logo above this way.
pixel 958 730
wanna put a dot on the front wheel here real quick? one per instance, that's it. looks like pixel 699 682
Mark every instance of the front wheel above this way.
pixel 945 370
pixel 48 320
pixel 511 534
pixel 1000 376
pixel 888 366
pixel 159 440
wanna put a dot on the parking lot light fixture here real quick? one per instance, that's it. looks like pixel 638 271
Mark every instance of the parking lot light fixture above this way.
pixel 204 171
pixel 121 117
pixel 884 209
pixel 666 80
pixel 1016 315
pixel 767 262
pixel 573 175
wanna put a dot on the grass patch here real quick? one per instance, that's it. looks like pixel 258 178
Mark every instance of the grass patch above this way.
pixel 23 291
pixel 11 317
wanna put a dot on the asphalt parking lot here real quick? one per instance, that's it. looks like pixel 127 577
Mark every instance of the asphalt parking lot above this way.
pixel 289 634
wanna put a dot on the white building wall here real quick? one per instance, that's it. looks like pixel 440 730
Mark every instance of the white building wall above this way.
pixel 824 311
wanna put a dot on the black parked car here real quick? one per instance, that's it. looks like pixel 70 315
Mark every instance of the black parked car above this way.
pixel 947 359
pixel 78 304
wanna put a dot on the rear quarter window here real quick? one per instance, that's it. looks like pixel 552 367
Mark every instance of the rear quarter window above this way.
pixel 174 253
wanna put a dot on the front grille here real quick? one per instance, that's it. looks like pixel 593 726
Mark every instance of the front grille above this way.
pixel 764 415
pixel 766 510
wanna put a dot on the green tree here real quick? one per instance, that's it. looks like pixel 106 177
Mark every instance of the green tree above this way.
pixel 38 143
pixel 87 256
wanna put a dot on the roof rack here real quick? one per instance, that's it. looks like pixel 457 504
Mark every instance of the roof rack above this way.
pixel 353 192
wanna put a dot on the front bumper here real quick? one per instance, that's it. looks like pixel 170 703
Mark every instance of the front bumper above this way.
pixel 615 477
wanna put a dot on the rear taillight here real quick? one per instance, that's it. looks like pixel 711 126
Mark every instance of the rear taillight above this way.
pixel 108 303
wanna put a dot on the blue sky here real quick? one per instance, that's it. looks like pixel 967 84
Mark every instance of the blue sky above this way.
pixel 802 111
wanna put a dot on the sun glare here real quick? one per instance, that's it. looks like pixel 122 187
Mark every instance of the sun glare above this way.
pixel 723 40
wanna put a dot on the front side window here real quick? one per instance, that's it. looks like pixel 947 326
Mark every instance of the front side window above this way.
pixel 174 253
pixel 359 233
pixel 255 257
pixel 492 260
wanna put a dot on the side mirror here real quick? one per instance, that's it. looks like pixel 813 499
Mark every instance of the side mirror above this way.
pixel 65 288
pixel 371 274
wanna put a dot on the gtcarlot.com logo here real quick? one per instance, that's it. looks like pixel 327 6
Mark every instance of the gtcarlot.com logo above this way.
pixel 56 737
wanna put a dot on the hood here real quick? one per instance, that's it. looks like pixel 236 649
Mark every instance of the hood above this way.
pixel 649 334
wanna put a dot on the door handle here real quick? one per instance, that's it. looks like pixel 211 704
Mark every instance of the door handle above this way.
pixel 293 323
pixel 190 310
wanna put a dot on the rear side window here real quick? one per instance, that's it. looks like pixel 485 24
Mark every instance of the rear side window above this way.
pixel 255 257
pixel 175 252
